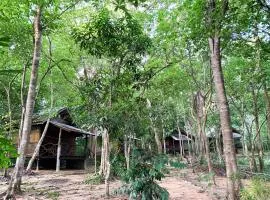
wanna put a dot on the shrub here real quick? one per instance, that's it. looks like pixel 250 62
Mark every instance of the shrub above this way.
pixel 257 190
pixel 93 179
pixel 118 166
pixel 145 169
pixel 7 151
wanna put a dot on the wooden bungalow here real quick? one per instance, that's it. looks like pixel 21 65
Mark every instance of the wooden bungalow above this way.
pixel 61 133
pixel 172 141
pixel 216 139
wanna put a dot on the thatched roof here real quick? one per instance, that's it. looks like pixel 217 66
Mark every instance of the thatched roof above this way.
pixel 236 134
pixel 182 137
pixel 62 120
pixel 69 128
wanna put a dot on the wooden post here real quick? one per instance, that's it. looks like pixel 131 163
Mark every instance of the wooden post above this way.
pixel 173 147
pixel 87 153
pixel 37 167
pixel 95 151
pixel 58 151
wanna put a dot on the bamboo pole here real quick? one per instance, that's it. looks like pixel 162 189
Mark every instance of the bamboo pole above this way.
pixel 58 151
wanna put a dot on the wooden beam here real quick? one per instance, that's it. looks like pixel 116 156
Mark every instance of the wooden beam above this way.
pixel 58 151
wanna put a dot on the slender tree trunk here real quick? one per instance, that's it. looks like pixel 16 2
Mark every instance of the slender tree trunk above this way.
pixel 267 102
pixel 95 131
pixel 189 136
pixel 180 141
pixel 15 182
pixel 258 134
pixel 127 151
pixel 104 154
pixel 200 141
pixel 207 152
pixel 233 183
pixel 252 161
pixel 164 140
pixel 218 147
pixel 36 151
pixel 106 164
pixel 22 102
pixel 157 138
pixel 251 156
pixel 58 161
pixel 102 167
pixel 10 120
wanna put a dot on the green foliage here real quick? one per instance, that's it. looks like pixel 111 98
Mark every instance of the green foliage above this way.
pixel 257 190
pixel 178 164
pixel 145 169
pixel 7 151
pixel 112 37
pixel 54 195
pixel 93 179
pixel 118 165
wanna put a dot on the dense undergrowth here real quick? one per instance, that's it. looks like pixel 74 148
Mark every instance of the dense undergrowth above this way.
pixel 258 189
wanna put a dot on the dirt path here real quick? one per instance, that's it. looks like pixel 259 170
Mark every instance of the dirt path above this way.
pixel 183 190
pixel 70 185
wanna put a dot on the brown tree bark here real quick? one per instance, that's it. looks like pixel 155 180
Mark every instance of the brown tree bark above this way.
pixel 15 182
pixel 233 183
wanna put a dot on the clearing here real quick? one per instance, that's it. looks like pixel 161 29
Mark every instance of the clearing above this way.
pixel 181 184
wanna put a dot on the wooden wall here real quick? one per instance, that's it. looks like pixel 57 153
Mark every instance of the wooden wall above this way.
pixel 33 140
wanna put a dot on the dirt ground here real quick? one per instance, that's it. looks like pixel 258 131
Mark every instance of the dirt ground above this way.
pixel 181 184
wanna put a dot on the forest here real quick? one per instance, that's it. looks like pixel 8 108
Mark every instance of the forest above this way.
pixel 135 99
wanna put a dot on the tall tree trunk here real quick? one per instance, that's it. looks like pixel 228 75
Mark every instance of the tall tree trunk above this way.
pixel 233 183
pixel 15 182
pixel 36 151
pixel 22 102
